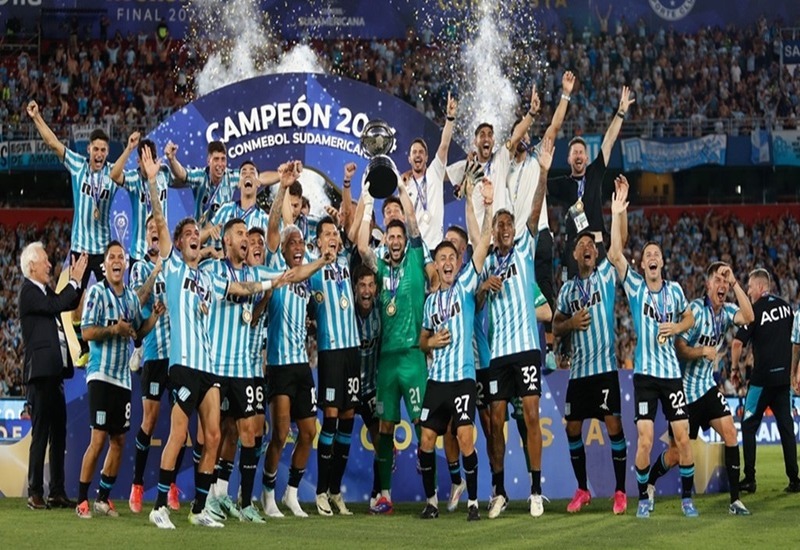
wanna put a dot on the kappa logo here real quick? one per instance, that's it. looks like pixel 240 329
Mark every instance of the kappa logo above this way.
pixel 184 393
pixel 127 424
pixel 464 416
pixel 100 418
pixel 680 412
pixel 249 409
pixel 532 386
pixel 415 408
pixel 604 407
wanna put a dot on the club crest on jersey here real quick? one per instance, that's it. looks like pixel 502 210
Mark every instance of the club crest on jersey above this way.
pixel 319 297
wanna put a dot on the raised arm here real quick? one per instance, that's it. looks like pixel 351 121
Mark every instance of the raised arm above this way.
pixel 408 210
pixel 484 239
pixel 305 271
pixel 151 167
pixel 364 250
pixel 118 169
pixel 447 131
pixel 178 171
pixel 522 128
pixel 620 184
pixel 269 177
pixel 355 225
pixel 347 198
pixel 567 85
pixel 143 292
pixel 44 130
pixel 745 315
pixel 610 138
pixel 288 177
pixel 545 159
pixel 619 214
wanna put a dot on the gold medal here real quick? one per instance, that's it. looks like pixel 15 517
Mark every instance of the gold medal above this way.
pixel 319 297
pixel 246 316
pixel 96 213
pixel 344 302
pixel 662 339
pixel 579 205
pixel 203 308
pixel 391 309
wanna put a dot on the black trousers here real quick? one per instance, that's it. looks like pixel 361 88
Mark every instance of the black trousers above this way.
pixel 543 264
pixel 48 425
pixel 779 400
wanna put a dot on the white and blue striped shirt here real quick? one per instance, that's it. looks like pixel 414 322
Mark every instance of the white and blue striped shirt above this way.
pixel 796 328
pixel 141 206
pixel 708 330
pixel 90 191
pixel 189 292
pixel 108 359
pixel 288 310
pixel 512 311
pixel 231 335
pixel 253 217
pixel 208 198
pixel 334 305
pixel 369 333
pixel 453 309
pixel 592 349
pixel 156 343
pixel 648 309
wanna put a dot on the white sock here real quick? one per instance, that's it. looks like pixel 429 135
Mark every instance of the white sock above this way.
pixel 222 488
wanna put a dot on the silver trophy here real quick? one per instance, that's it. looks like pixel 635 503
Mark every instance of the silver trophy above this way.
pixel 377 140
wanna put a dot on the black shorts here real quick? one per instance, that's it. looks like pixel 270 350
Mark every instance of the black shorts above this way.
pixel 711 406
pixel 260 384
pixel 296 382
pixel 188 387
pixel 544 266
pixel 154 379
pixel 649 390
pixel 448 401
pixel 109 407
pixel 593 397
pixel 366 409
pixel 95 266
pixel 237 397
pixel 481 387
pixel 517 375
pixel 339 378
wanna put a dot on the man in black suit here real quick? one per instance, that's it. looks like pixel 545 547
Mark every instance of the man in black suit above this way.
pixel 47 364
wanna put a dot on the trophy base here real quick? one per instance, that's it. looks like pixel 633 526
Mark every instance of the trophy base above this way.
pixel 382 176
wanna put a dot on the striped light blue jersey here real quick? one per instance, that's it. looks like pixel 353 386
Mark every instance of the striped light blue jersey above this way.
pixel 796 328
pixel 253 217
pixel 190 293
pixel 334 305
pixel 453 309
pixel 156 343
pixel 231 335
pixel 708 330
pixel 369 333
pixel 512 320
pixel 592 349
pixel 648 309
pixel 480 340
pixel 141 206
pixel 108 359
pixel 208 197
pixel 90 191
pixel 288 310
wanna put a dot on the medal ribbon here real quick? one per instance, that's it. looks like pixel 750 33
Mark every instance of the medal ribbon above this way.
pixel 585 292
pixel 122 304
pixel 716 320
pixel 446 308
pixel 422 192
pixel 502 263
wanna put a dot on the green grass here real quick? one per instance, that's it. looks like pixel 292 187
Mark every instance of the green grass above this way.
pixel 773 523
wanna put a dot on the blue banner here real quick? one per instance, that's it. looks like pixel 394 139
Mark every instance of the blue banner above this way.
pixel 663 158
pixel 790 52
pixel 28 155
pixel 786 148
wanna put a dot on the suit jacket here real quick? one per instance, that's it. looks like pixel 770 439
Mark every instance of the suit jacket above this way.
pixel 38 314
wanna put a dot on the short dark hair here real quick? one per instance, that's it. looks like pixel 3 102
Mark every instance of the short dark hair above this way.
pixel 458 229
pixel 421 142
pixel 150 217
pixel 391 199
pixel 397 223
pixel 650 243
pixel 442 245
pixel 296 189
pixel 250 162
pixel 179 228
pixel 714 267
pixel 481 126
pixel 255 230
pixel 150 144
pixel 577 140
pixel 503 211
pixel 230 223
pixel 582 234
pixel 216 147
pixel 305 202
pixel 361 271
pixel 324 220
pixel 98 133
pixel 111 245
